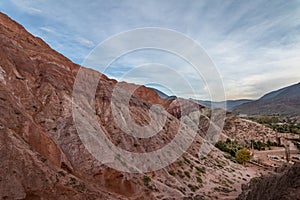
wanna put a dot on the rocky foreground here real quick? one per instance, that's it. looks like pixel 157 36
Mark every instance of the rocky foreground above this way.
pixel 284 185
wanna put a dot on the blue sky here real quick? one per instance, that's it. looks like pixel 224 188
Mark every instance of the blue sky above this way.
pixel 255 45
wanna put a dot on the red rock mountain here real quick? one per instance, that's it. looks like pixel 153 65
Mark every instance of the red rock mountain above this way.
pixel 42 156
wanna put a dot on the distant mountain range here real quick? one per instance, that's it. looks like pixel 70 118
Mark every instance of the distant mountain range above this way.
pixel 227 105
pixel 163 95
pixel 282 102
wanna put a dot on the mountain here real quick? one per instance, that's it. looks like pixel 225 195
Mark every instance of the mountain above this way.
pixel 227 105
pixel 163 95
pixel 282 102
pixel 42 153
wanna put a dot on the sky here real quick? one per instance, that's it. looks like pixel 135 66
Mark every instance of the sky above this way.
pixel 254 45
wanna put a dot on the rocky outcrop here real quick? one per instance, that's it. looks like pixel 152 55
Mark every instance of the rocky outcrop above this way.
pixel 285 185
pixel 27 174
pixel 145 93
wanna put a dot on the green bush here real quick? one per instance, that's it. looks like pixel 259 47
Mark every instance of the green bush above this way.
pixel 200 169
pixel 243 156
pixel 193 188
pixel 180 163
pixel 187 174
pixel 222 146
pixel 147 180
pixel 199 179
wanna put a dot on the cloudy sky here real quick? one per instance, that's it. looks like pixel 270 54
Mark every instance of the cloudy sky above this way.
pixel 255 45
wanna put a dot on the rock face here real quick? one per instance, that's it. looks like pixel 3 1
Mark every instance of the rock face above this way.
pixel 43 157
pixel 285 185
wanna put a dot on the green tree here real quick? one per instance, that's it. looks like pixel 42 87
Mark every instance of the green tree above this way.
pixel 242 156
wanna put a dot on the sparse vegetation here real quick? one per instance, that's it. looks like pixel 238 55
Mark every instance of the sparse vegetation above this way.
pixel 258 145
pixel 193 188
pixel 172 173
pixel 72 181
pixel 222 189
pixel 243 156
pixel 199 179
pixel 200 169
pixel 180 174
pixel 181 189
pixel 147 180
pixel 187 161
pixel 79 187
pixel 180 163
pixel 282 125
pixel 187 174
pixel 232 147
pixel 229 146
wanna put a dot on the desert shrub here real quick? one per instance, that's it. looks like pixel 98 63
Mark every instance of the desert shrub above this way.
pixel 199 179
pixel 187 174
pixel 79 187
pixel 180 174
pixel 193 188
pixel 187 161
pixel 181 189
pixel 147 180
pixel 72 181
pixel 200 169
pixel 180 163
pixel 222 146
pixel 243 156
pixel 171 172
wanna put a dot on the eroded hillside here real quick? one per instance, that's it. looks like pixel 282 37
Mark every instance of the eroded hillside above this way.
pixel 43 157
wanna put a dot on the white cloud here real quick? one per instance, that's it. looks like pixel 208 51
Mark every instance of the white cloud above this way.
pixel 255 44
pixel 48 30
pixel 27 6
pixel 85 42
